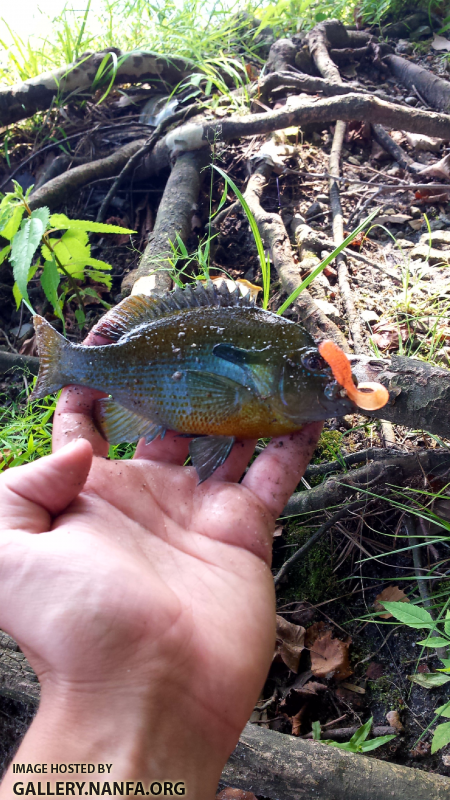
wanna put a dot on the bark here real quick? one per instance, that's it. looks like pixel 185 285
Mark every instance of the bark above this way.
pixel 282 56
pixel 15 361
pixel 395 470
pixel 17 679
pixel 282 767
pixel 305 111
pixel 274 236
pixel 419 392
pixel 54 192
pixel 37 94
pixel 435 90
pixel 174 216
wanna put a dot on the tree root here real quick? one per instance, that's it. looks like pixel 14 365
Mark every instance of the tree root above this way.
pixel 274 235
pixel 281 767
pixel 435 90
pixel 37 94
pixel 54 192
pixel 396 470
pixel 15 361
pixel 174 217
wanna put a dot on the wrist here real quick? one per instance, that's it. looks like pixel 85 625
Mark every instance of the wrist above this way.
pixel 137 736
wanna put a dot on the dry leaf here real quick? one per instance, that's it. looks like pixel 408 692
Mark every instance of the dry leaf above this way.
pixel 374 671
pixel 245 287
pixel 440 43
pixel 396 219
pixel 313 633
pixel 394 721
pixel 389 594
pixel 290 642
pixel 352 687
pixel 330 658
pixel 235 794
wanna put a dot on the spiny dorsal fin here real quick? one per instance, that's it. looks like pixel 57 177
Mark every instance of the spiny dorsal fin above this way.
pixel 139 309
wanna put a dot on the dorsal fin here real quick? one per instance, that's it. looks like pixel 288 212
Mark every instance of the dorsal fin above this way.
pixel 139 309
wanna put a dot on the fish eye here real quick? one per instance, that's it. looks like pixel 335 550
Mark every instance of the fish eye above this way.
pixel 313 361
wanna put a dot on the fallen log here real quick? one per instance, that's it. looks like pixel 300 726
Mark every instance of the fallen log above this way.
pixel 282 767
pixel 15 361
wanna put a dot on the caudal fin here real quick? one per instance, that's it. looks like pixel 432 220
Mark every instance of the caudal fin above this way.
pixel 52 347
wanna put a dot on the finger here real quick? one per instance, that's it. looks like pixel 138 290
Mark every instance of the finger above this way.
pixel 73 419
pixel 173 449
pixel 31 495
pixel 276 472
pixel 234 467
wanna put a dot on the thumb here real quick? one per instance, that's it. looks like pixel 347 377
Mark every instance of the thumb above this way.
pixel 31 495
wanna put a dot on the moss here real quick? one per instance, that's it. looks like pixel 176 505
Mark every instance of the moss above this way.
pixel 312 578
pixel 328 447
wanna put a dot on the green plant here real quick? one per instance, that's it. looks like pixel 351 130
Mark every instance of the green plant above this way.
pixel 63 259
pixel 25 430
pixel 263 259
pixel 358 743
pixel 416 617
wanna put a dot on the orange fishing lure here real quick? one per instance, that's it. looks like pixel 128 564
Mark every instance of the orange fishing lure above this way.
pixel 370 396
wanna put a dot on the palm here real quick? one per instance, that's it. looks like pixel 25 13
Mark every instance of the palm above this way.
pixel 144 578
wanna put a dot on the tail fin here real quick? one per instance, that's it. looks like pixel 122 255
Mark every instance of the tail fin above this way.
pixel 52 348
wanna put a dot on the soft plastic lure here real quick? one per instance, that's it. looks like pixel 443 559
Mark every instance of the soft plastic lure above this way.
pixel 370 395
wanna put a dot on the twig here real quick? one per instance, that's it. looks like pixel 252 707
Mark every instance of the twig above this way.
pixel 338 236
pixel 315 538
pixel 341 734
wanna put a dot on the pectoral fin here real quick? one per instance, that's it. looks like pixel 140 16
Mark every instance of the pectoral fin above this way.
pixel 118 424
pixel 208 453
pixel 208 390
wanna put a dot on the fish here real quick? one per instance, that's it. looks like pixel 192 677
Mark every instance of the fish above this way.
pixel 203 361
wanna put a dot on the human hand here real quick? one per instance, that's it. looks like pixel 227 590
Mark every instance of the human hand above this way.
pixel 145 603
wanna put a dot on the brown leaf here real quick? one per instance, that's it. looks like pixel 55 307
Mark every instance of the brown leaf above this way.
pixel 374 671
pixel 329 658
pixel 235 794
pixel 389 594
pixel 313 633
pixel 290 642
pixel 29 347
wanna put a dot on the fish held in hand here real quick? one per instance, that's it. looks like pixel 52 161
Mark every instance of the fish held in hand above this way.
pixel 204 362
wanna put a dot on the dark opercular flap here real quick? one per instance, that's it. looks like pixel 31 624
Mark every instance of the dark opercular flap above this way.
pixel 238 355
pixel 208 453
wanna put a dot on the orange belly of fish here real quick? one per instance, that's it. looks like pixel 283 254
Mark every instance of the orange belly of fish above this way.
pixel 250 423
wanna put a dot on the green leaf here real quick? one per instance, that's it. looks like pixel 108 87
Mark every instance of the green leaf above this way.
pixel 444 711
pixel 80 317
pixel 429 680
pixel 5 253
pixel 61 221
pixel 24 246
pixel 434 641
pixel 351 748
pixel 412 616
pixel 447 622
pixel 362 733
pixel 320 267
pixel 441 737
pixel 316 730
pixel 12 225
pixel 50 279
pixel 445 662
pixel 256 235
pixel 43 214
pixel 372 744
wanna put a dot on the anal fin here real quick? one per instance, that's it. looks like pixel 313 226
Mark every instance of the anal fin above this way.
pixel 118 424
pixel 208 453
